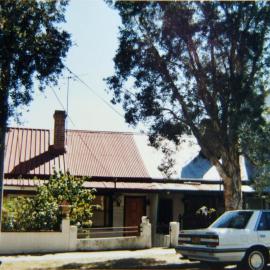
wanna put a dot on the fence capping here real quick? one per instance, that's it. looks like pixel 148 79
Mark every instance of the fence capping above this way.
pixel 145 220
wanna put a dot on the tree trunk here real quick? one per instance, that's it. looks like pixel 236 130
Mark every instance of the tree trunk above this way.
pixel 3 129
pixel 231 181
pixel 4 111
pixel 229 171
pixel 2 157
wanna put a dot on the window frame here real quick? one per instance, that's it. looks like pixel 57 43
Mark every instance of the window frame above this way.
pixel 259 220
pixel 216 226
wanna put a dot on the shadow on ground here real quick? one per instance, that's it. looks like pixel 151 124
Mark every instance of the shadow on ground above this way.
pixel 138 263
pixel 142 263
pixel 128 263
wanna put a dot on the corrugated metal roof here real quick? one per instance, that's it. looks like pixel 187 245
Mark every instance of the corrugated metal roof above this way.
pixel 111 154
pixel 24 182
pixel 99 155
pixel 140 186
pixel 27 152
pixel 188 163
pixel 103 154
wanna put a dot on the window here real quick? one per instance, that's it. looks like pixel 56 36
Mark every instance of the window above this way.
pixel 264 224
pixel 233 220
pixel 102 216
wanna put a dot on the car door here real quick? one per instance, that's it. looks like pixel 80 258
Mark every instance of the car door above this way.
pixel 263 228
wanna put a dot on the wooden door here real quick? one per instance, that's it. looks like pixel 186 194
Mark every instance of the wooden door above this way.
pixel 134 210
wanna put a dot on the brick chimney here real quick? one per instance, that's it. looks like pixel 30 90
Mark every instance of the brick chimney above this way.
pixel 59 130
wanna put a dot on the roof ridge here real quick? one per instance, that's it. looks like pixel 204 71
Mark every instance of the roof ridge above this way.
pixel 105 131
pixel 82 130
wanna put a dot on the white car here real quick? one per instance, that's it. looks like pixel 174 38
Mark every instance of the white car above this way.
pixel 241 237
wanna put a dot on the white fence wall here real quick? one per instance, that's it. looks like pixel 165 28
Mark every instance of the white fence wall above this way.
pixel 34 242
pixel 66 240
pixel 168 240
pixel 113 243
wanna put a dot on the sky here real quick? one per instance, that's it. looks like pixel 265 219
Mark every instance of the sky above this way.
pixel 94 29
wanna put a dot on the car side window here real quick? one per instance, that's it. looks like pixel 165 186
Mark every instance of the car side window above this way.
pixel 264 223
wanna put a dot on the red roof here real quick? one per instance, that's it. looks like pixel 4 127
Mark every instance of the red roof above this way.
pixel 108 154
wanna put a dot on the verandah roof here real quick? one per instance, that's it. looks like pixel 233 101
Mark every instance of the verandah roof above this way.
pixel 121 185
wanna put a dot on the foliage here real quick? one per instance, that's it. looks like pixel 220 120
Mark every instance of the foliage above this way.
pixel 195 67
pixel 258 151
pixel 32 49
pixel 204 210
pixel 43 211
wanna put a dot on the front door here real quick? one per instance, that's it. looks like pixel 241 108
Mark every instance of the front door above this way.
pixel 134 210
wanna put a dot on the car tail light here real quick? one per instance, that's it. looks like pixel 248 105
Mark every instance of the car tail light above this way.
pixel 213 242
pixel 183 239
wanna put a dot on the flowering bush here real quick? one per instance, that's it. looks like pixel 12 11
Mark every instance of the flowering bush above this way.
pixel 44 212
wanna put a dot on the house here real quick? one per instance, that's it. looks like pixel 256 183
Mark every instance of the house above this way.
pixel 124 170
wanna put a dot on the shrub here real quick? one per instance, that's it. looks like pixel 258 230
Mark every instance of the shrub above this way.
pixel 44 212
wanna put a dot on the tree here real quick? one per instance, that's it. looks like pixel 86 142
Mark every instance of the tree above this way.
pixel 195 67
pixel 258 151
pixel 44 210
pixel 32 49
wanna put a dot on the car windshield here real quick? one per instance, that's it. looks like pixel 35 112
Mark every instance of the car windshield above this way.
pixel 234 220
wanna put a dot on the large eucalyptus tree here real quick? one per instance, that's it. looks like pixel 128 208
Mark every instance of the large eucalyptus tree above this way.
pixel 197 67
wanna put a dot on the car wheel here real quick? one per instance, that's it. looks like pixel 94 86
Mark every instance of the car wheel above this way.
pixel 256 259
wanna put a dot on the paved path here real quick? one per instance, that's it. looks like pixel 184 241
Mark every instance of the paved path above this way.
pixel 155 258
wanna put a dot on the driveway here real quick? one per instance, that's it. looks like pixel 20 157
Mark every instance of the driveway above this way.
pixel 155 258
